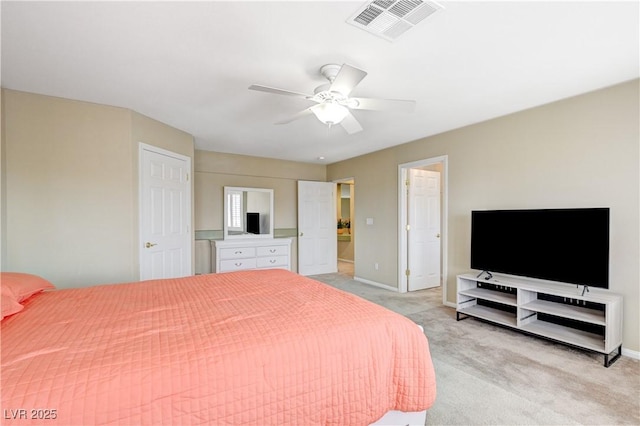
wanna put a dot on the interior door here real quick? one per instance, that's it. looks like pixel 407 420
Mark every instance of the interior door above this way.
pixel 317 234
pixel 165 214
pixel 423 235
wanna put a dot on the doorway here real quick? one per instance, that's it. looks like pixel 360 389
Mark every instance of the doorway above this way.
pixel 422 245
pixel 345 191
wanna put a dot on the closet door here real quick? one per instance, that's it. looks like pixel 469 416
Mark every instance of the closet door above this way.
pixel 165 214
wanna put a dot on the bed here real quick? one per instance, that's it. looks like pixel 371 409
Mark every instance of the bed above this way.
pixel 250 347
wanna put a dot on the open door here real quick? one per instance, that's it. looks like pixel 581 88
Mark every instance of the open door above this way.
pixel 317 249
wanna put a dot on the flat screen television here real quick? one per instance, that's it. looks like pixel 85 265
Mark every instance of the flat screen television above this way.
pixel 253 223
pixel 565 245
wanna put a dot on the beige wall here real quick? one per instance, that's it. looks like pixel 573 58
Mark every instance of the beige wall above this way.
pixel 579 152
pixel 214 171
pixel 3 189
pixel 70 187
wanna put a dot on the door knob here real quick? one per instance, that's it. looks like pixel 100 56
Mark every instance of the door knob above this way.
pixel 149 245
pixel 438 236
pixel 302 234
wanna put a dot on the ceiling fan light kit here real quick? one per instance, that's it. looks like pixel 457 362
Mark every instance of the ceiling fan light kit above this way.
pixel 333 102
pixel 330 112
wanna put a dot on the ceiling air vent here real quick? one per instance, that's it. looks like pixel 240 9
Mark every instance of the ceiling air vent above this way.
pixel 390 19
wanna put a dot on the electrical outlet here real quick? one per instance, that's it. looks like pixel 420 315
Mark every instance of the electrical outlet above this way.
pixel 376 266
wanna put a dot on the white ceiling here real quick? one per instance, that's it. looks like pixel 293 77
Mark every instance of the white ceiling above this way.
pixel 189 64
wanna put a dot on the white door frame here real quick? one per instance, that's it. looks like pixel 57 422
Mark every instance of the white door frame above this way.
pixel 402 219
pixel 188 207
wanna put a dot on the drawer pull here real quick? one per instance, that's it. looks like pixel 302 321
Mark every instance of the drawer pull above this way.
pixel 272 261
pixel 272 250
pixel 238 252
pixel 238 263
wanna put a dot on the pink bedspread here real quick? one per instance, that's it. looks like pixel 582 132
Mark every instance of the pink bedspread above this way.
pixel 254 347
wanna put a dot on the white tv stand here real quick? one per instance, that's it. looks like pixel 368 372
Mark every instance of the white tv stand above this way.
pixel 555 311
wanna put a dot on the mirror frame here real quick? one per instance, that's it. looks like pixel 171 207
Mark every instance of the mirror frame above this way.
pixel 233 189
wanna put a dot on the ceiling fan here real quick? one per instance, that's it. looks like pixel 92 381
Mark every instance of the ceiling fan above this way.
pixel 333 103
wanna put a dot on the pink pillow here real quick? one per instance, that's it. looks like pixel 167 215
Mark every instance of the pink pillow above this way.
pixel 9 305
pixel 22 286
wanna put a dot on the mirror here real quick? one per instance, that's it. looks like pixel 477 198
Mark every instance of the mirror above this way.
pixel 248 212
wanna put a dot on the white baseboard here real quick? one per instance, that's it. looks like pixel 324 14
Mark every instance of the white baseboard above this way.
pixel 630 353
pixel 376 284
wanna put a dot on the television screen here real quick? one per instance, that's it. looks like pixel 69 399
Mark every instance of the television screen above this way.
pixel 253 223
pixel 565 245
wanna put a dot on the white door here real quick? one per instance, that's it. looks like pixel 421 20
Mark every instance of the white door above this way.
pixel 423 235
pixel 165 214
pixel 317 233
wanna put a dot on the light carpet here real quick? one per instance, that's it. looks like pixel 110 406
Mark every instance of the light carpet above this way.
pixel 490 375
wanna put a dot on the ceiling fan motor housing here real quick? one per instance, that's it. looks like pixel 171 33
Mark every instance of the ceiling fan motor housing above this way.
pixel 323 92
pixel 330 71
pixel 322 88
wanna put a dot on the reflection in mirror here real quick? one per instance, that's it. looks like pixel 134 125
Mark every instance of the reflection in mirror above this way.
pixel 248 212
pixel 344 208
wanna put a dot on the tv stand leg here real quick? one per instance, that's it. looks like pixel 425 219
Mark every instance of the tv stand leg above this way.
pixel 463 318
pixel 608 362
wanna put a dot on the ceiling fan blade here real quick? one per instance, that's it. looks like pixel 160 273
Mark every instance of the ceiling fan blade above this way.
pixel 301 114
pixel 382 104
pixel 348 77
pixel 350 124
pixel 278 91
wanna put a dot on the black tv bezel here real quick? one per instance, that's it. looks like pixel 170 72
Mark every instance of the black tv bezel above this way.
pixel 604 284
pixel 253 219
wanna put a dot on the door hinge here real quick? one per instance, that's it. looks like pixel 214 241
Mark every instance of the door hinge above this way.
pixel 407 272
pixel 407 182
pixel 187 177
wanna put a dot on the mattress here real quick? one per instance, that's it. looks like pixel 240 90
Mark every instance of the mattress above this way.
pixel 249 347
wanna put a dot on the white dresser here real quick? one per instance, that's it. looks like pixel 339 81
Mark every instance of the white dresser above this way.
pixel 241 254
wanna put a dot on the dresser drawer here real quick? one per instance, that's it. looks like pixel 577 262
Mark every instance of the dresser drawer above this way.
pixel 242 254
pixel 237 264
pixel 273 261
pixel 273 251
pixel 237 252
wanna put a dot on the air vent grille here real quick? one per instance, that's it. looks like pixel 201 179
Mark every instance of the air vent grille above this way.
pixel 403 7
pixel 368 15
pixel 391 18
pixel 422 13
pixel 384 3
pixel 397 29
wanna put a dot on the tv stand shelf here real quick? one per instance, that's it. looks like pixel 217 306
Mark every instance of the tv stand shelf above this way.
pixel 556 311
